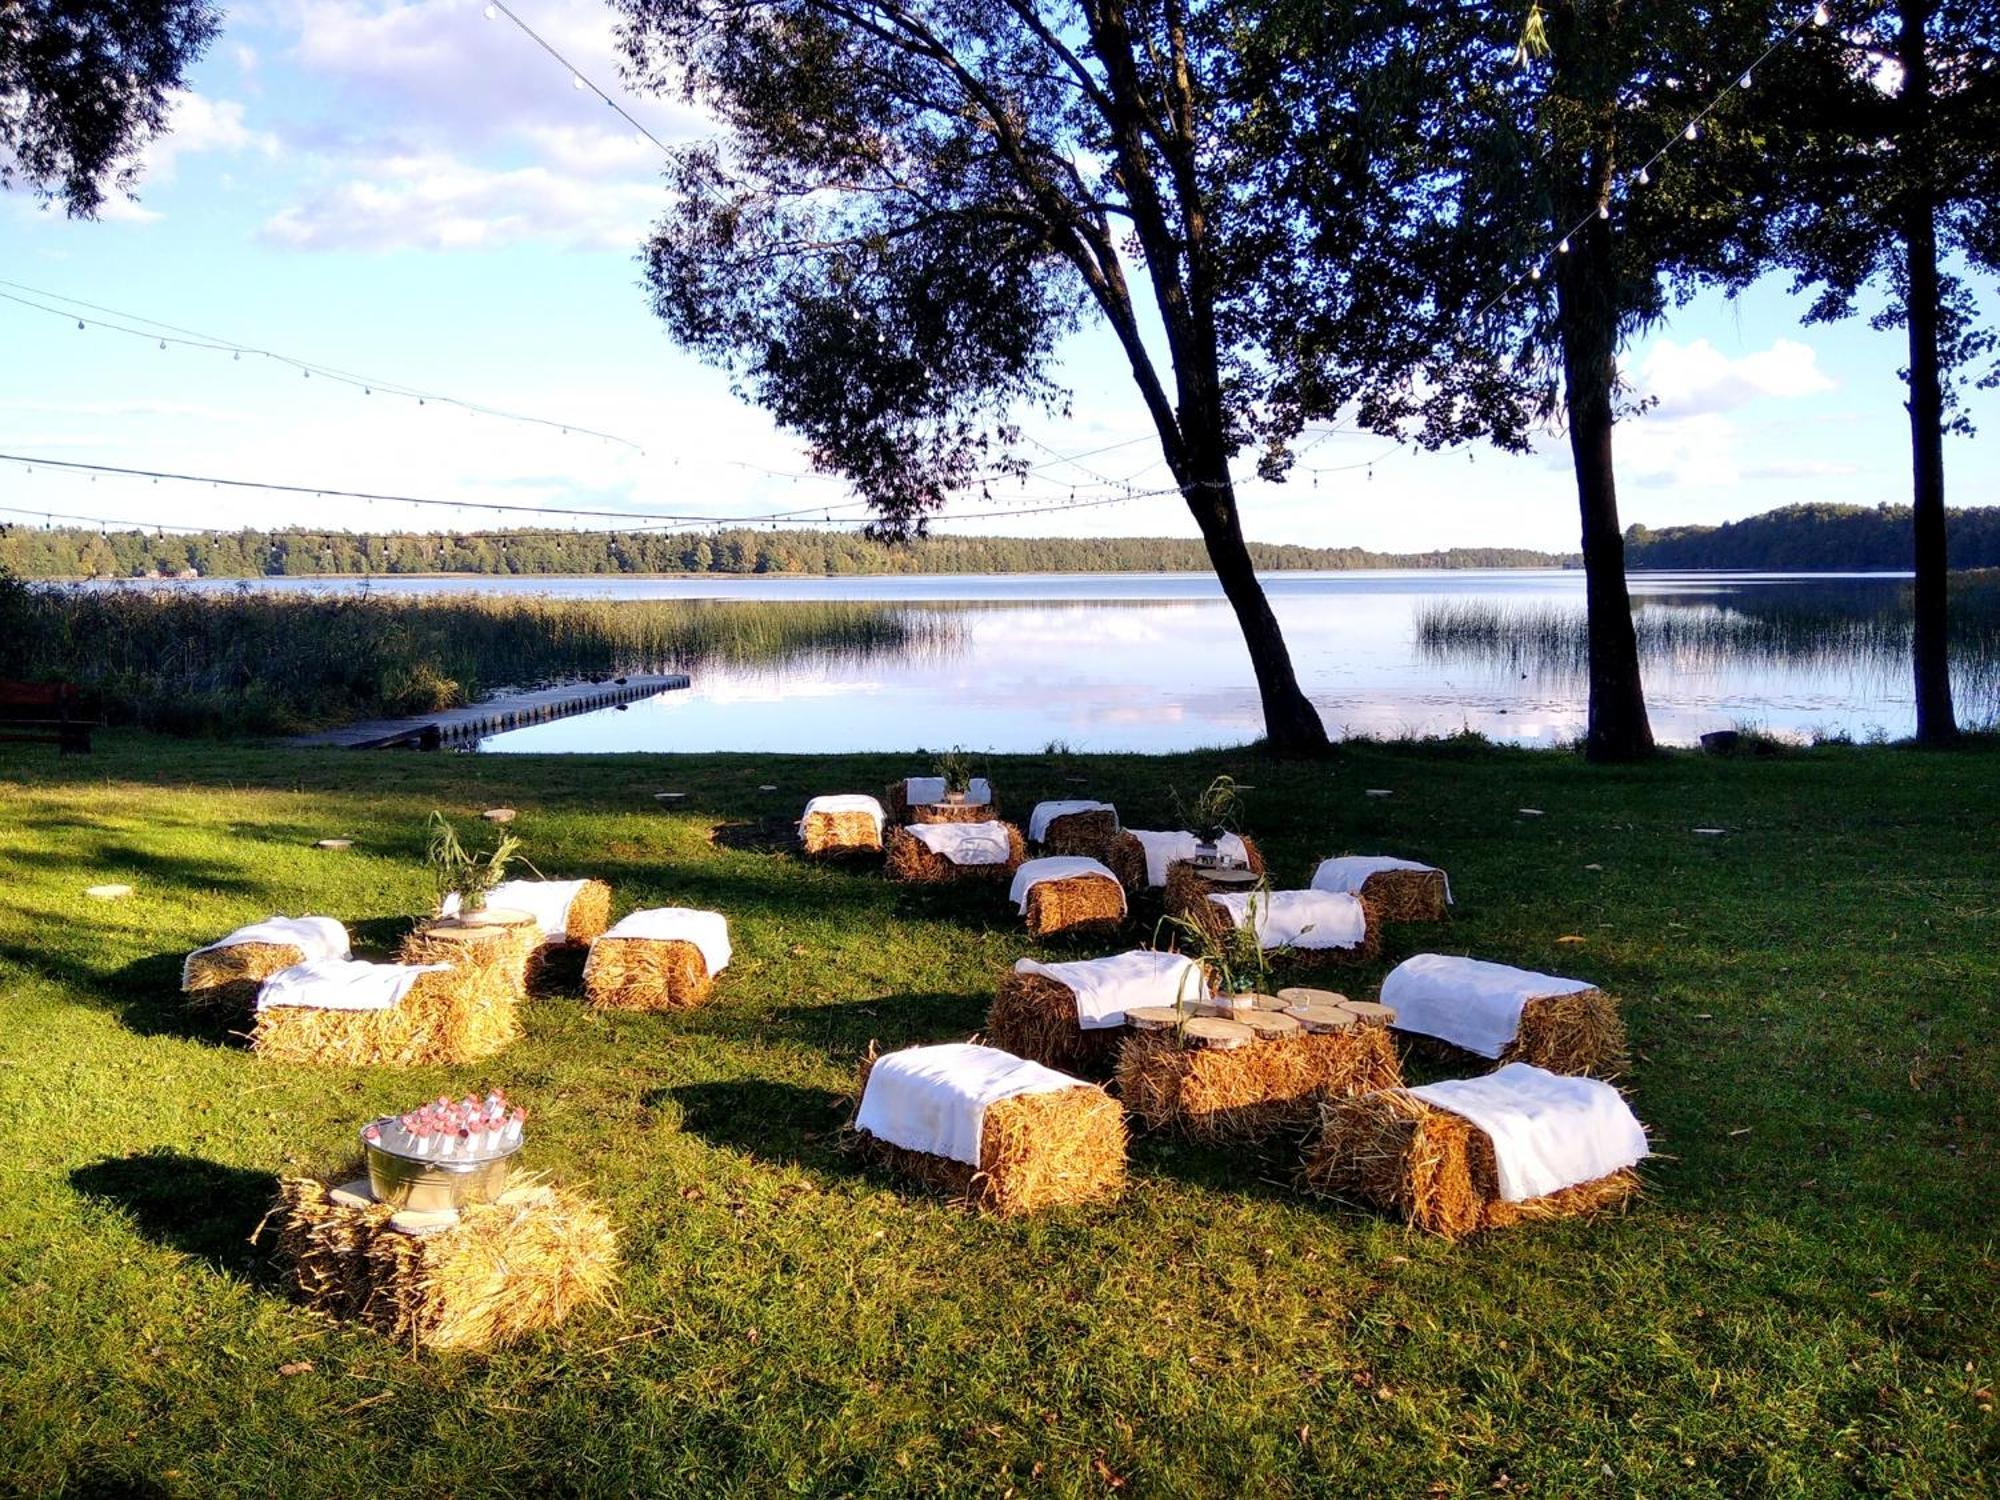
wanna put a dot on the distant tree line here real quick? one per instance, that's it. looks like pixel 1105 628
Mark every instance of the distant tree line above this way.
pixel 1814 538
pixel 30 552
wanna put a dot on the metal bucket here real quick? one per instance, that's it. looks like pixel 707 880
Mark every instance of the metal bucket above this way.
pixel 428 1186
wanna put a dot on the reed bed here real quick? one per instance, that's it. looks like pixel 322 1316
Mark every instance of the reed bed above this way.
pixel 1036 1151
pixel 1433 1168
pixel 1251 1092
pixel 909 861
pixel 451 1016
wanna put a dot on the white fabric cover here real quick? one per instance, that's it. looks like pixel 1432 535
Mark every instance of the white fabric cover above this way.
pixel 1299 919
pixel 1350 872
pixel 1549 1131
pixel 918 790
pixel 846 802
pixel 547 901
pixel 1046 813
pixel 1105 988
pixel 707 930
pixel 1163 848
pixel 314 937
pixel 934 1099
pixel 965 843
pixel 1467 1001
pixel 1057 867
pixel 341 984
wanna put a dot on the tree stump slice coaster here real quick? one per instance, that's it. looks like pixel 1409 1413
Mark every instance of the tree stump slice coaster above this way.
pixel 1210 1033
pixel 1369 1012
pixel 1304 995
pixel 498 815
pixel 1321 1020
pixel 1270 1025
pixel 334 844
pixel 1152 1018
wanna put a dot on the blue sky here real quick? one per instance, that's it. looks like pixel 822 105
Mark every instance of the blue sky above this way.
pixel 419 194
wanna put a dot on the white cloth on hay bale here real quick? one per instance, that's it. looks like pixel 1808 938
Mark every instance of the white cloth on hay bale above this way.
pixel 1046 813
pixel 1467 1001
pixel 314 937
pixel 1105 988
pixel 1035 872
pixel 1299 919
pixel 1164 847
pixel 846 802
pixel 1350 872
pixel 919 790
pixel 1549 1130
pixel 547 901
pixel 342 984
pixel 934 1099
pixel 707 930
pixel 966 843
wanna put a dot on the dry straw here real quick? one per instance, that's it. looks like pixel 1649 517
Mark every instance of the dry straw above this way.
pixel 1580 1033
pixel 1034 1016
pixel 1407 895
pixel 1187 896
pixel 492 952
pixel 589 915
pixel 909 860
pixel 1036 1151
pixel 1254 1091
pixel 448 1016
pixel 1127 858
pixel 829 833
pixel 227 979
pixel 1433 1168
pixel 1079 905
pixel 629 973
pixel 508 1268
pixel 1090 834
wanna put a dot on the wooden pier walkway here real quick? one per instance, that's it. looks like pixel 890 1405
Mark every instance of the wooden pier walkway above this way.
pixel 452 726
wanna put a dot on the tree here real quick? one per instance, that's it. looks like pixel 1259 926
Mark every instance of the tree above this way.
pixel 914 200
pixel 1894 171
pixel 84 86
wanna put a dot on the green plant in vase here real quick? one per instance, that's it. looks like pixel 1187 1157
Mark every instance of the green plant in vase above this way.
pixel 467 874
pixel 955 766
pixel 1214 814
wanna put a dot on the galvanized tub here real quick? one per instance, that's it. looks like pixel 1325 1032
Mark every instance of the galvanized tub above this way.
pixel 426 1185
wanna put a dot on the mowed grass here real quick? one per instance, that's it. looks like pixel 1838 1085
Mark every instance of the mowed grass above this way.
pixel 1804 1302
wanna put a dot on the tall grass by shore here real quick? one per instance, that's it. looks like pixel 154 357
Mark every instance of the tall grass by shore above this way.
pixel 252 662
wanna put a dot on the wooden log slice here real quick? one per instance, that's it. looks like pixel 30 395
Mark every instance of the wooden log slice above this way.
pixel 1271 1025
pixel 1300 995
pixel 1268 1003
pixel 1368 1012
pixel 1321 1019
pixel 1152 1018
pixel 1209 1033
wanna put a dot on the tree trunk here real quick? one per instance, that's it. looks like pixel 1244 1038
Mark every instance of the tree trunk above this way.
pixel 1291 724
pixel 1937 724
pixel 1585 294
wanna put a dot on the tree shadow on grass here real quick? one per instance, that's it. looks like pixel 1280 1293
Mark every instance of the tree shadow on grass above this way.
pixel 765 1120
pixel 844 1029
pixel 198 1207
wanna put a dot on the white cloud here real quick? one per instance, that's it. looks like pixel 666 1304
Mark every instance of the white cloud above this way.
pixel 199 124
pixel 1801 468
pixel 1698 379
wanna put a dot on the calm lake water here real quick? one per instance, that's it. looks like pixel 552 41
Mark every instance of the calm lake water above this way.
pixel 1154 662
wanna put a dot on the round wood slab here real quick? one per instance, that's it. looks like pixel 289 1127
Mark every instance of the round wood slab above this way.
pixel 1322 1019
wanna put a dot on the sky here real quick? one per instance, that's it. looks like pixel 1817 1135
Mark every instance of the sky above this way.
pixel 419 194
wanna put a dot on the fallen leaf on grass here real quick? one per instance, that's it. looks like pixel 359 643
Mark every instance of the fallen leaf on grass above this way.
pixel 296 1367
pixel 1571 937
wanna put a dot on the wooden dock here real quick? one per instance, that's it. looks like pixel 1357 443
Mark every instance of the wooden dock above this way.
pixel 453 726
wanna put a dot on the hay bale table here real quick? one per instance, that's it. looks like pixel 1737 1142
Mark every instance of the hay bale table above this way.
pixel 1507 1014
pixel 1318 926
pixel 995 1131
pixel 1516 1146
pixel 1074 827
pixel 493 949
pixel 845 824
pixel 1400 890
pixel 1071 1016
pixel 340 1011
pixel 1144 857
pixel 923 799
pixel 569 913
pixel 1251 1073
pixel 226 975
pixel 933 853
pixel 465 1279
pixel 1067 894
pixel 665 958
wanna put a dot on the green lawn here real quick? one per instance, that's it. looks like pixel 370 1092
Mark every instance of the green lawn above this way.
pixel 1804 1302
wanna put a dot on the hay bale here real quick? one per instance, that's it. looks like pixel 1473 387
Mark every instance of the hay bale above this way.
pixel 896 803
pixel 831 833
pixel 1433 1168
pixel 1407 895
pixel 227 979
pixel 1581 1033
pixel 508 1268
pixel 645 974
pixel 1036 1151
pixel 1253 1090
pixel 1127 858
pixel 449 1016
pixel 1187 896
pixel 908 860
pixel 492 950
pixel 1077 905
pixel 1034 1016
pixel 589 914
pixel 1458 1007
pixel 1087 833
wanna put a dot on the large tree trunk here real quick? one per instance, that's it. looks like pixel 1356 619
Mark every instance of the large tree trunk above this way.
pixel 1585 294
pixel 1937 724
pixel 1291 724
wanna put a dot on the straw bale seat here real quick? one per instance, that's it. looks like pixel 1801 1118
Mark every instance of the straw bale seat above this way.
pixel 662 959
pixel 1071 1016
pixel 493 949
pixel 921 799
pixel 1495 1011
pixel 226 975
pixel 1068 895
pixel 1073 827
pixel 474 1279
pixel 1438 1170
pixel 1052 1141
pixel 841 825
pixel 1401 890
pixel 1308 926
pixel 446 1015
pixel 910 859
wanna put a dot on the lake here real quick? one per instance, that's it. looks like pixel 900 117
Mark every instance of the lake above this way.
pixel 1151 662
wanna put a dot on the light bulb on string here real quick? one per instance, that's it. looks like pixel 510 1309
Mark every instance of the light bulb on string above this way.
pixel 1693 131
pixel 492 11
pixel 1562 247
pixel 1603 210
pixel 1743 82
pixel 576 80
pixel 79 323
pixel 1534 273
pixel 1820 15
pixel 1644 177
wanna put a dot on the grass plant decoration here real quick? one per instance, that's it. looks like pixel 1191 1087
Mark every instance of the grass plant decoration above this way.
pixel 456 870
